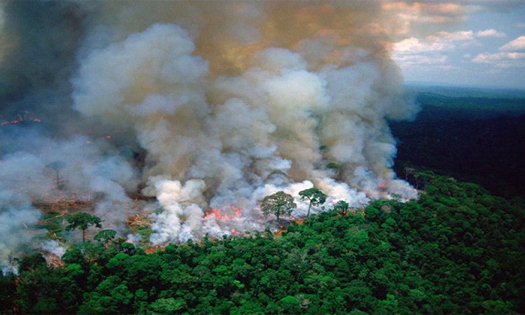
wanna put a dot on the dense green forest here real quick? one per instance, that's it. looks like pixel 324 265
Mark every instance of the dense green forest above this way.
pixel 457 249
pixel 473 135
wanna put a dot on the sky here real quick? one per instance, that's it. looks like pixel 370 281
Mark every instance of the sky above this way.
pixel 478 43
pixel 456 42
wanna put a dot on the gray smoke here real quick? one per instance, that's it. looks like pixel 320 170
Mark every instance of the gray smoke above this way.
pixel 229 100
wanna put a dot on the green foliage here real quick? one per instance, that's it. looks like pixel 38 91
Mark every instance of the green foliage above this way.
pixel 342 207
pixel 456 250
pixel 105 236
pixel 83 221
pixel 477 139
pixel 279 204
pixel 314 195
pixel 31 262
pixel 52 222
pixel 83 253
pixel 8 293
pixel 167 306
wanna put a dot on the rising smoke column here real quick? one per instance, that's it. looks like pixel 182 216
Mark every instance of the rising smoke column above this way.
pixel 39 47
pixel 224 95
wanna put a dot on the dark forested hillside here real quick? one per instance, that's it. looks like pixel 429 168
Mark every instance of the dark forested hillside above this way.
pixel 477 139
pixel 456 250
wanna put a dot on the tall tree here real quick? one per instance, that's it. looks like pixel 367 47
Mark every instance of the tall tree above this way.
pixel 279 203
pixel 57 166
pixel 314 195
pixel 83 221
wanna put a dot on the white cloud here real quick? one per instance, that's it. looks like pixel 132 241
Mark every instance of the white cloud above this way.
pixel 516 45
pixel 441 41
pixel 414 45
pixel 502 59
pixel 490 33
pixel 498 57
pixel 431 50
pixel 454 36
pixel 409 60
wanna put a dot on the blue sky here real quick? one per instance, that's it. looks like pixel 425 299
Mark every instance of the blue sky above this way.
pixel 467 43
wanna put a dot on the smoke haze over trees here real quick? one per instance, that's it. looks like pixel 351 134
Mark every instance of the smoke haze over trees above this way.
pixel 456 250
pixel 198 105
pixel 172 121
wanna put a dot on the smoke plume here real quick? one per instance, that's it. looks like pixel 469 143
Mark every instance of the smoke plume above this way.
pixel 229 101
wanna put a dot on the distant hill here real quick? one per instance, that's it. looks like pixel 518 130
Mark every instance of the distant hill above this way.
pixel 457 91
pixel 473 134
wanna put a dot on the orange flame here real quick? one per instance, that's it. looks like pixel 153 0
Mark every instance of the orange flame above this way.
pixel 19 119
pixel 214 213
pixel 238 211
pixel 218 214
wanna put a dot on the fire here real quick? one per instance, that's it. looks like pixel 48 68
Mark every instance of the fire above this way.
pixel 21 118
pixel 214 213
pixel 238 211
pixel 381 191
pixel 223 215
pixel 154 249
pixel 229 219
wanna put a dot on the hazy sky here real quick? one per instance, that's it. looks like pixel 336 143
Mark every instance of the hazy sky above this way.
pixel 456 42
pixel 462 42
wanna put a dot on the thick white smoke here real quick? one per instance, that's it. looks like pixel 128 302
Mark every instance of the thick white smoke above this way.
pixel 17 231
pixel 44 171
pixel 225 95
pixel 210 105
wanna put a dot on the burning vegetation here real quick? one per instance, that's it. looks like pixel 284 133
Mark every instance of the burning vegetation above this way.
pixel 181 124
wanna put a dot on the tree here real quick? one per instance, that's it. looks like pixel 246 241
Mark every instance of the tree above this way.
pixel 57 166
pixel 279 203
pixel 168 305
pixel 31 262
pixel 82 221
pixel 105 236
pixel 342 206
pixel 314 195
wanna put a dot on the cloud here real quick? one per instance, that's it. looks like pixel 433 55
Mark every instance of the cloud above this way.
pixel 502 59
pixel 453 36
pixel 421 12
pixel 511 55
pixel 434 49
pixel 440 41
pixel 409 60
pixel 421 18
pixel 490 33
pixel 413 45
pixel 491 5
pixel 515 45
pixel 431 49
